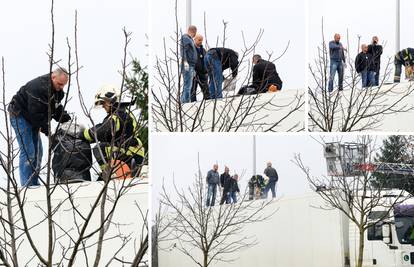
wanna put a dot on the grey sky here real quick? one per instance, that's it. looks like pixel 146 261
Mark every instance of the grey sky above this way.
pixel 175 156
pixel 365 18
pixel 282 21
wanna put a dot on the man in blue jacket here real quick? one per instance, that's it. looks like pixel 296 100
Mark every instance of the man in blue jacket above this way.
pixel 188 62
pixel 337 62
pixel 28 111
pixel 213 181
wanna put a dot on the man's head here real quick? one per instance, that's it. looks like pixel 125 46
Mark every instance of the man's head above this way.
pixel 192 31
pixel 59 78
pixel 198 40
pixel 269 164
pixel 226 169
pixel 215 167
pixel 235 176
pixel 256 59
pixel 375 40
pixel 364 48
pixel 337 37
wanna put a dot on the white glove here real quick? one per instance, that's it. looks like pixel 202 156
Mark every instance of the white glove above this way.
pixel 186 66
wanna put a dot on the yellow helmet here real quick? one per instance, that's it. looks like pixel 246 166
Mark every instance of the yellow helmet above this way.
pixel 108 92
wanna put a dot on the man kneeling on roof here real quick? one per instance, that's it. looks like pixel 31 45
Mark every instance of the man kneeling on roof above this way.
pixel 265 78
pixel 117 135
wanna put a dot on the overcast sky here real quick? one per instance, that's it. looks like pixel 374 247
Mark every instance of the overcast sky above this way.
pixel 175 156
pixel 282 21
pixel 25 31
pixel 361 18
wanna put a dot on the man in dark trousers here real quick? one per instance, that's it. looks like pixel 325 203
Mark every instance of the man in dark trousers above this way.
pixel 264 76
pixel 233 189
pixel 28 111
pixel 364 65
pixel 404 57
pixel 273 178
pixel 200 78
pixel 213 181
pixel 224 180
pixel 216 61
pixel 376 51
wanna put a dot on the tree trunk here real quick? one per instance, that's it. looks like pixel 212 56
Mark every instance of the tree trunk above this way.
pixel 205 260
pixel 361 247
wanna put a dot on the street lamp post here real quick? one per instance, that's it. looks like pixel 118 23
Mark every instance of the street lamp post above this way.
pixel 188 13
pixel 397 26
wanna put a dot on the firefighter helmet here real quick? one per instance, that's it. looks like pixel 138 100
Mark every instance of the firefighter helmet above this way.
pixel 109 93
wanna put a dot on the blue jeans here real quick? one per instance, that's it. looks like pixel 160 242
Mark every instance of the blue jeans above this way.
pixel 232 198
pixel 272 186
pixel 376 79
pixel 215 75
pixel 188 76
pixel 211 194
pixel 336 66
pixel 31 150
pixel 367 78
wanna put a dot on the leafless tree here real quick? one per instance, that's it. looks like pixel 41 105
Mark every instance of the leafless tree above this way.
pixel 216 233
pixel 32 230
pixel 260 112
pixel 356 195
pixel 354 108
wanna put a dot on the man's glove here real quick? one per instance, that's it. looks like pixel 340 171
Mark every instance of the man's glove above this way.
pixel 65 117
pixel 186 66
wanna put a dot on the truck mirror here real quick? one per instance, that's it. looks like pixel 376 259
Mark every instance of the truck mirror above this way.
pixel 386 230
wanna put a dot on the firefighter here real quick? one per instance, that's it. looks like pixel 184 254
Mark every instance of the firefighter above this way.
pixel 404 57
pixel 117 134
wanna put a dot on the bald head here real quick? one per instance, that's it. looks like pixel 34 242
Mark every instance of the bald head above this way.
pixel 198 40
pixel 337 37
pixel 192 30
pixel 364 48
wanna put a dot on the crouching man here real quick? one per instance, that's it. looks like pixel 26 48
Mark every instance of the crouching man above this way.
pixel 117 135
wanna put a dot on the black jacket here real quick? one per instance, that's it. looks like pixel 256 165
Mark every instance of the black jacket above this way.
pixel 364 61
pixel 265 74
pixel 31 101
pixel 376 52
pixel 200 67
pixel 228 58
pixel 223 178
pixel 405 57
pixel 231 185
pixel 124 126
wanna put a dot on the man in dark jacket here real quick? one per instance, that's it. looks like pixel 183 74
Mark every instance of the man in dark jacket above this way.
pixel 212 182
pixel 404 57
pixel 376 51
pixel 364 65
pixel 337 62
pixel 216 61
pixel 233 189
pixel 264 76
pixel 224 180
pixel 28 111
pixel 117 135
pixel 273 178
pixel 188 62
pixel 200 77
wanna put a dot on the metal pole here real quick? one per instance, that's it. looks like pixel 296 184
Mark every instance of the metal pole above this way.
pixel 397 27
pixel 188 13
pixel 254 155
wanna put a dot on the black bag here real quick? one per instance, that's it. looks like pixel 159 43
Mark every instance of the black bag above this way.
pixel 72 158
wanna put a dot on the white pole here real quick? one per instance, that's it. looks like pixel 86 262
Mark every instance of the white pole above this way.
pixel 188 13
pixel 397 27
pixel 254 155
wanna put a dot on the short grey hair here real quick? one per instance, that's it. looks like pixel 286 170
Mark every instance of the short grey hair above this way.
pixel 59 71
pixel 257 57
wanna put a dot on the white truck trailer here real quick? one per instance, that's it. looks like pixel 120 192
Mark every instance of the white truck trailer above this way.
pixel 301 234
